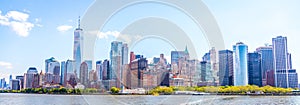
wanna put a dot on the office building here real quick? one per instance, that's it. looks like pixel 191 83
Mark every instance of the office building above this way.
pixel 254 69
pixel 226 68
pixel 267 61
pixel 240 51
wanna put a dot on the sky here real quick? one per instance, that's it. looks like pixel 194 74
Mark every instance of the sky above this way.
pixel 32 31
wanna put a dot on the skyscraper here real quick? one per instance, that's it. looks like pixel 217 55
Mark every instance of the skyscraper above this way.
pixel 226 67
pixel 281 66
pixel 99 70
pixel 240 51
pixel 31 78
pixel 53 71
pixel 63 73
pixel 118 57
pixel 267 61
pixel 176 55
pixel 77 50
pixel 84 74
pixel 254 69
pixel 107 73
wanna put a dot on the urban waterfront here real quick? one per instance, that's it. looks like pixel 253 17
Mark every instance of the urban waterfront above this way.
pixel 38 99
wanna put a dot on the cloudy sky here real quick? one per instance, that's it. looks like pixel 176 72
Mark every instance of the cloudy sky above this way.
pixel 32 31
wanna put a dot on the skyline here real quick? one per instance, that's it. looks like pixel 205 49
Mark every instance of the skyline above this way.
pixel 39 38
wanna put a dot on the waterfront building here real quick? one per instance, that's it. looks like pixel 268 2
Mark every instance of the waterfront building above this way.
pixel 254 69
pixel 99 70
pixel 118 57
pixel 77 48
pixel 14 84
pixel 176 55
pixel 137 67
pixel 84 74
pixel 267 61
pixel 226 68
pixel 31 78
pixel 240 51
pixel 293 78
pixel 107 73
pixel 281 66
pixel 21 78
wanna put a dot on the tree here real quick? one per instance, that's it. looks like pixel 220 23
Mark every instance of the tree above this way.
pixel 114 90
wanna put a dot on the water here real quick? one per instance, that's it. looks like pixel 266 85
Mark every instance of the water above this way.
pixel 44 99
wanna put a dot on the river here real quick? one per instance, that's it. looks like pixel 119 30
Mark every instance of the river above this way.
pixel 45 99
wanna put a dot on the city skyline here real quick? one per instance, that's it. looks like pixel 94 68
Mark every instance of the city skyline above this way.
pixel 13 65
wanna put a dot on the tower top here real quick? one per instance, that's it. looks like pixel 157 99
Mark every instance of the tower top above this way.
pixel 78 22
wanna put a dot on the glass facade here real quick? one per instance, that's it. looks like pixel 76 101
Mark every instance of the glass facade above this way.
pixel 240 51
pixel 266 62
pixel 226 67
pixel 280 61
pixel 254 69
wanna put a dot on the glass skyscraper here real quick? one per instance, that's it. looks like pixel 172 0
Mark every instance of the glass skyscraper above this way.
pixel 226 67
pixel 266 54
pixel 118 57
pixel 240 51
pixel 77 50
pixel 281 65
pixel 254 69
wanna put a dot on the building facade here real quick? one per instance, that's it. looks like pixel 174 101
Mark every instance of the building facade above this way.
pixel 254 69
pixel 226 68
pixel 240 51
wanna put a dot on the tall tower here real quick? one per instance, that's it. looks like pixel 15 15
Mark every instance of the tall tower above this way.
pixel 226 67
pixel 281 59
pixel 77 50
pixel 254 69
pixel 240 51
pixel 267 61
pixel 118 57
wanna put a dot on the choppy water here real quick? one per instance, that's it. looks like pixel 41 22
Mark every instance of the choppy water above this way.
pixel 44 99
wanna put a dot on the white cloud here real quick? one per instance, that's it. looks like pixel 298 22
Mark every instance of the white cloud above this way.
pixel 64 28
pixel 6 65
pixel 21 28
pixel 19 16
pixel 17 21
pixel 115 34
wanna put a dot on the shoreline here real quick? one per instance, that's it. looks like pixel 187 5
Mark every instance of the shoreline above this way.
pixel 209 94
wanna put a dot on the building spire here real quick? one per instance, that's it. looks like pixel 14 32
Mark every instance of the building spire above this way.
pixel 78 22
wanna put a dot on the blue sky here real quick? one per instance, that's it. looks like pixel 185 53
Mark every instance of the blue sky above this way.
pixel 32 31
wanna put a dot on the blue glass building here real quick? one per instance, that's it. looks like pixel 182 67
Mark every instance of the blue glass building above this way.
pixel 240 51
pixel 254 69
pixel 226 68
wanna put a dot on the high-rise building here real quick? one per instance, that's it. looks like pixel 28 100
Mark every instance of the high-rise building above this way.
pixel 118 57
pixel 47 61
pixel 14 84
pixel 2 83
pixel 267 61
pixel 84 74
pixel 107 73
pixel 280 53
pixel 99 70
pixel 176 55
pixel 137 67
pixel 240 51
pixel 21 78
pixel 254 69
pixel 63 73
pixel 52 71
pixel 31 79
pixel 78 46
pixel 293 78
pixel 226 68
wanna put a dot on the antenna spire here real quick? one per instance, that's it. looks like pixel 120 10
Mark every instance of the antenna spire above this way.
pixel 78 22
